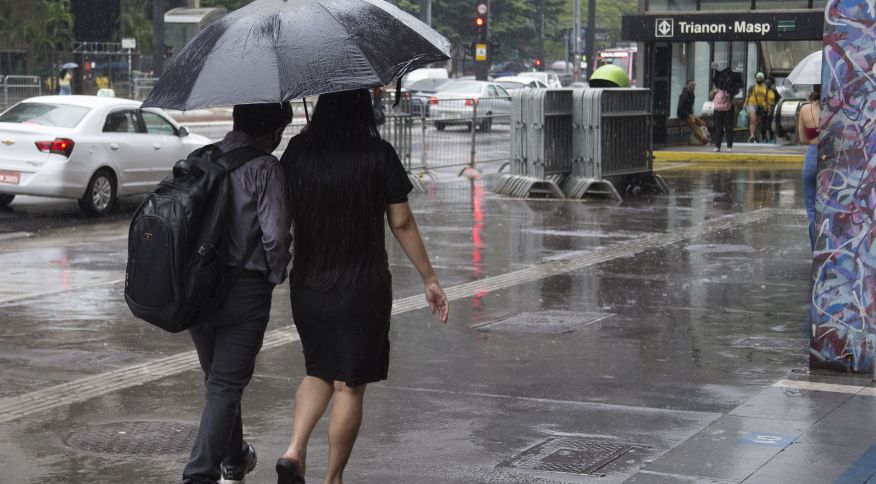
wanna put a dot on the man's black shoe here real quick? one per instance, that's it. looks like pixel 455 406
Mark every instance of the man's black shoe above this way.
pixel 236 473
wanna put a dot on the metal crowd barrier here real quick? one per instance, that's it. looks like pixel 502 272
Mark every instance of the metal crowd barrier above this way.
pixel 19 88
pixel 573 143
pixel 459 133
pixel 142 87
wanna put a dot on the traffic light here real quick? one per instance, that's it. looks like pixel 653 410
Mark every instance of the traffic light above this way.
pixel 480 22
pixel 539 65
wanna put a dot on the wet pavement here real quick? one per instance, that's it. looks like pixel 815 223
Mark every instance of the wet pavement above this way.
pixel 658 340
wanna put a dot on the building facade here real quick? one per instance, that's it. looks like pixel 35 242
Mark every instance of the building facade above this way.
pixel 685 40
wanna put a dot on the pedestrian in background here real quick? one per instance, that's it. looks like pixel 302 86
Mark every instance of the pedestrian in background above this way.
pixel 65 78
pixel 379 107
pixel 229 339
pixel 808 129
pixel 725 119
pixel 685 112
pixel 766 120
pixel 344 180
pixel 759 101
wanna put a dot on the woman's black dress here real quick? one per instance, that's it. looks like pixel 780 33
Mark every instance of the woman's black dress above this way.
pixel 345 330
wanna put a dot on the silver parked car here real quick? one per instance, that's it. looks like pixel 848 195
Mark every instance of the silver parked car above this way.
pixel 454 104
pixel 93 149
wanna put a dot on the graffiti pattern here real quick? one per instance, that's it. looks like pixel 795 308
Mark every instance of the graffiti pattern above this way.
pixel 844 265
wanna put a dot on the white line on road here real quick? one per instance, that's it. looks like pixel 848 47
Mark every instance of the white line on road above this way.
pixel 826 387
pixel 83 389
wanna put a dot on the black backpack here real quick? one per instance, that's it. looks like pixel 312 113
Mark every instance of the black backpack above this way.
pixel 176 267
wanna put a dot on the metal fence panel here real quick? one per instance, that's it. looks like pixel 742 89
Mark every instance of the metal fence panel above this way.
pixel 626 137
pixel 18 88
pixel 612 132
pixel 143 87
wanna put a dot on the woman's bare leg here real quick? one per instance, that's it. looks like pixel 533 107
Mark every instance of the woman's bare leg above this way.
pixel 343 429
pixel 311 401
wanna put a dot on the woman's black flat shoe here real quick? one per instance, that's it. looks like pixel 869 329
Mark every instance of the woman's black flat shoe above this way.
pixel 287 473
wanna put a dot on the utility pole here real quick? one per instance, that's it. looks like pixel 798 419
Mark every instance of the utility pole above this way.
pixel 541 31
pixel 576 31
pixel 426 12
pixel 158 36
pixel 590 45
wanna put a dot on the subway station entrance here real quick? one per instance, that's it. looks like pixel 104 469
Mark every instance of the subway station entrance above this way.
pixel 682 46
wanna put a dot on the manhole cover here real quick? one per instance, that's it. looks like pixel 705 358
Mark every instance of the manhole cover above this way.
pixel 546 322
pixel 140 438
pixel 569 455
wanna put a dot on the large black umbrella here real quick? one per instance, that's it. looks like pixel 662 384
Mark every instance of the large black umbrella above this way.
pixel 728 80
pixel 278 50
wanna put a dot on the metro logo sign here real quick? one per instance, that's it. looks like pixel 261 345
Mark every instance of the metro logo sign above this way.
pixel 664 28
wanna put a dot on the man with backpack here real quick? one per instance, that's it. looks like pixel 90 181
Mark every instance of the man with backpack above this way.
pixel 255 249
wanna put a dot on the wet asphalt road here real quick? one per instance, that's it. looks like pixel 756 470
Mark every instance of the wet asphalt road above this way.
pixel 612 335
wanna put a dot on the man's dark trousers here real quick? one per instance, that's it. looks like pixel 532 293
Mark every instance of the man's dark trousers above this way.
pixel 227 346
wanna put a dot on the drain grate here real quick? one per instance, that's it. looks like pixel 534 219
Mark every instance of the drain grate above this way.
pixel 140 438
pixel 544 322
pixel 569 455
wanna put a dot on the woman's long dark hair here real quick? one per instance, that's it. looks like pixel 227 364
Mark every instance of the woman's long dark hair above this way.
pixel 337 183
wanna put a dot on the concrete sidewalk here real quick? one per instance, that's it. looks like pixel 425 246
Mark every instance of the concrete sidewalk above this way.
pixel 659 340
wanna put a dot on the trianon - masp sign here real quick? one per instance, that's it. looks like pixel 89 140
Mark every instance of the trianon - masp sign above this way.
pixel 790 25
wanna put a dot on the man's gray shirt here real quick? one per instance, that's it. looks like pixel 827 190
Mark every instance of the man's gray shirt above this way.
pixel 259 202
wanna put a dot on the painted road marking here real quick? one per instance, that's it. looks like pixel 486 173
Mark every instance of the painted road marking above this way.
pixel 768 440
pixel 12 408
pixel 826 387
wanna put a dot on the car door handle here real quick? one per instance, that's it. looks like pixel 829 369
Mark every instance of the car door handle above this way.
pixel 157 147
pixel 114 146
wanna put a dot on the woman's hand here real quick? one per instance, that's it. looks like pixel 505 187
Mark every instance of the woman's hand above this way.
pixel 437 300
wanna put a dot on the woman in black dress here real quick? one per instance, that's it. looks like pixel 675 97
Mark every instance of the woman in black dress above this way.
pixel 343 178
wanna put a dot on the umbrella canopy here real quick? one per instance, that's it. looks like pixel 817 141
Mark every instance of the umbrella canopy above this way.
pixel 728 80
pixel 808 71
pixel 278 50
pixel 70 65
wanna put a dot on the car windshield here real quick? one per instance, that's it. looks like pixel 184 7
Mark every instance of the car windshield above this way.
pixel 511 84
pixel 45 114
pixel 535 75
pixel 463 87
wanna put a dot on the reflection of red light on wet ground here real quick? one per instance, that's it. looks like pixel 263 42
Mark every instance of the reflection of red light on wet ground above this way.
pixel 477 300
pixel 476 227
pixel 477 241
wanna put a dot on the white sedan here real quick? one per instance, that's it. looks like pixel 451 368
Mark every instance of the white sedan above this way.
pixel 512 83
pixel 93 149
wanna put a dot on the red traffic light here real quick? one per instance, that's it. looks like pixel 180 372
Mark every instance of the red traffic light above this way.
pixel 537 62
pixel 480 21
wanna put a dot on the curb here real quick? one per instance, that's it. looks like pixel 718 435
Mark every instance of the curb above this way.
pixel 700 157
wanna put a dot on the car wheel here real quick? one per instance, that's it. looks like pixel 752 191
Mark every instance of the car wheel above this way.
pixel 100 195
pixel 5 199
pixel 440 126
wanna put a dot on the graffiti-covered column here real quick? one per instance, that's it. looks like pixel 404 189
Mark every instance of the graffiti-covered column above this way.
pixel 844 263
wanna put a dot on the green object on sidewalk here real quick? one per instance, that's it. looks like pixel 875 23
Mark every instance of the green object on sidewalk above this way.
pixel 609 75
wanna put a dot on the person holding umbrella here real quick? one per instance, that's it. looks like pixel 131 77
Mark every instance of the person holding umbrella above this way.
pixel 344 179
pixel 808 72
pixel 722 102
pixel 273 51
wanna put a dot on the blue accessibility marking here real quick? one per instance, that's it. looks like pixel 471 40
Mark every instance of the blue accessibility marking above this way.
pixel 767 439
pixel 861 470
